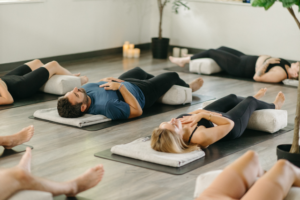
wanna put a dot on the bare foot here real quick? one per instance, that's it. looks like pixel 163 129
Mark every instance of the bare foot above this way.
pixel 196 84
pixel 24 135
pixel 180 61
pixel 78 74
pixel 84 80
pixel 280 98
pixel 260 93
pixel 88 180
pixel 25 162
pixel 187 55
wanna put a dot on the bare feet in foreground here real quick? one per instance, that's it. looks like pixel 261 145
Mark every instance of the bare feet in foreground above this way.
pixel 280 98
pixel 84 80
pixel 25 162
pixel 21 137
pixel 87 180
pixel 180 61
pixel 196 84
pixel 260 93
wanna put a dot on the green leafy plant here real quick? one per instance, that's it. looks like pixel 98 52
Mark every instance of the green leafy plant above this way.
pixel 161 5
pixel 287 4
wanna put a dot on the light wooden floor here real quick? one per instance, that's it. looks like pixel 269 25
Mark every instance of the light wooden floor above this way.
pixel 61 153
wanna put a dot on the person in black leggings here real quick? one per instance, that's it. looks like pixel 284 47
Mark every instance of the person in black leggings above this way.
pixel 262 68
pixel 26 80
pixel 224 119
pixel 121 98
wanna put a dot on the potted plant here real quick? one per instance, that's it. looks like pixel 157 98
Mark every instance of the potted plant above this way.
pixel 287 151
pixel 160 45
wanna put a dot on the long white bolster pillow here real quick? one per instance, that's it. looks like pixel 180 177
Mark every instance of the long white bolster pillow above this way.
pixel 204 66
pixel 267 120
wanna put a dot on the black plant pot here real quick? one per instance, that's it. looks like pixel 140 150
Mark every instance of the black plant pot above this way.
pixel 283 153
pixel 160 48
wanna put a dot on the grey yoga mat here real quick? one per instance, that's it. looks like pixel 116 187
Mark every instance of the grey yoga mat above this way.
pixel 37 98
pixel 214 152
pixel 220 74
pixel 17 149
pixel 154 110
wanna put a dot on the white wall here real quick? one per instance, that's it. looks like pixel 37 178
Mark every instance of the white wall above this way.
pixel 59 27
pixel 246 28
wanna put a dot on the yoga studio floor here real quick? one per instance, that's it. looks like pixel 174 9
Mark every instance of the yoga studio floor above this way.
pixel 62 153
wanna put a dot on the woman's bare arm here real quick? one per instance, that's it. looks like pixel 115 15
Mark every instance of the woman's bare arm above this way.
pixel 207 136
pixel 5 96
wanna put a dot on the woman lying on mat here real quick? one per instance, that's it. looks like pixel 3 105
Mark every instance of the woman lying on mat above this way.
pixel 225 119
pixel 16 139
pixel 121 98
pixel 262 68
pixel 20 178
pixel 239 180
pixel 26 80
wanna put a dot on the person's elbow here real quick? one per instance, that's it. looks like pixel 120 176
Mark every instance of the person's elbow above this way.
pixel 256 78
pixel 135 113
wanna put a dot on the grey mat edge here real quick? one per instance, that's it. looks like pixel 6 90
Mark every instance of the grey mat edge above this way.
pixel 106 154
pixel 15 150
pixel 118 122
pixel 221 75
pixel 63 197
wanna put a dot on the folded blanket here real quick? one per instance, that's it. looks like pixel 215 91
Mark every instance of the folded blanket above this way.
pixel 140 149
pixel 51 114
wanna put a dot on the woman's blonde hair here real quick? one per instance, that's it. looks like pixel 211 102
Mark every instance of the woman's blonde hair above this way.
pixel 167 141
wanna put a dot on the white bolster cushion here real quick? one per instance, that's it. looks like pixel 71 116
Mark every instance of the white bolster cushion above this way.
pixel 51 114
pixel 140 149
pixel 204 180
pixel 204 66
pixel 291 82
pixel 176 95
pixel 267 120
pixel 32 195
pixel 61 84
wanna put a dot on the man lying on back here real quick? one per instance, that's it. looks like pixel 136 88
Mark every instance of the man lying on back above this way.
pixel 121 98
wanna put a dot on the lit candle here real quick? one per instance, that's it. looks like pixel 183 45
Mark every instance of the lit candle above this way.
pixel 130 53
pixel 131 46
pixel 184 52
pixel 176 52
pixel 126 42
pixel 136 53
pixel 125 49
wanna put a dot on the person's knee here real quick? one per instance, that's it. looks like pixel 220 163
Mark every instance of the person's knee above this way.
pixel 232 97
pixel 21 176
pixel 174 75
pixel 38 62
pixel 252 155
pixel 53 63
pixel 283 164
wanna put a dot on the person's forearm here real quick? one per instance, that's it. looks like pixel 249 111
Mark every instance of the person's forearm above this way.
pixel 218 120
pixel 5 94
pixel 261 71
pixel 130 99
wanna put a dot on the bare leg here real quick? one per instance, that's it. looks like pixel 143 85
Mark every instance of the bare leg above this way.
pixel 19 178
pixel 196 84
pixel 35 64
pixel 235 179
pixel 180 61
pixel 276 183
pixel 55 68
pixel 280 98
pixel 21 137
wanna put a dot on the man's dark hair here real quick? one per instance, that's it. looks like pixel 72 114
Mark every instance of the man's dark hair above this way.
pixel 67 110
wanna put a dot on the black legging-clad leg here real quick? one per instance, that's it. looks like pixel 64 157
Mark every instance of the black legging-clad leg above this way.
pixel 239 110
pixel 136 73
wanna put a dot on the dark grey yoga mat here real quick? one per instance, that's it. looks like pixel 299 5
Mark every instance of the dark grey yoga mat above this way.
pixel 220 74
pixel 14 150
pixel 37 98
pixel 154 110
pixel 63 197
pixel 214 152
